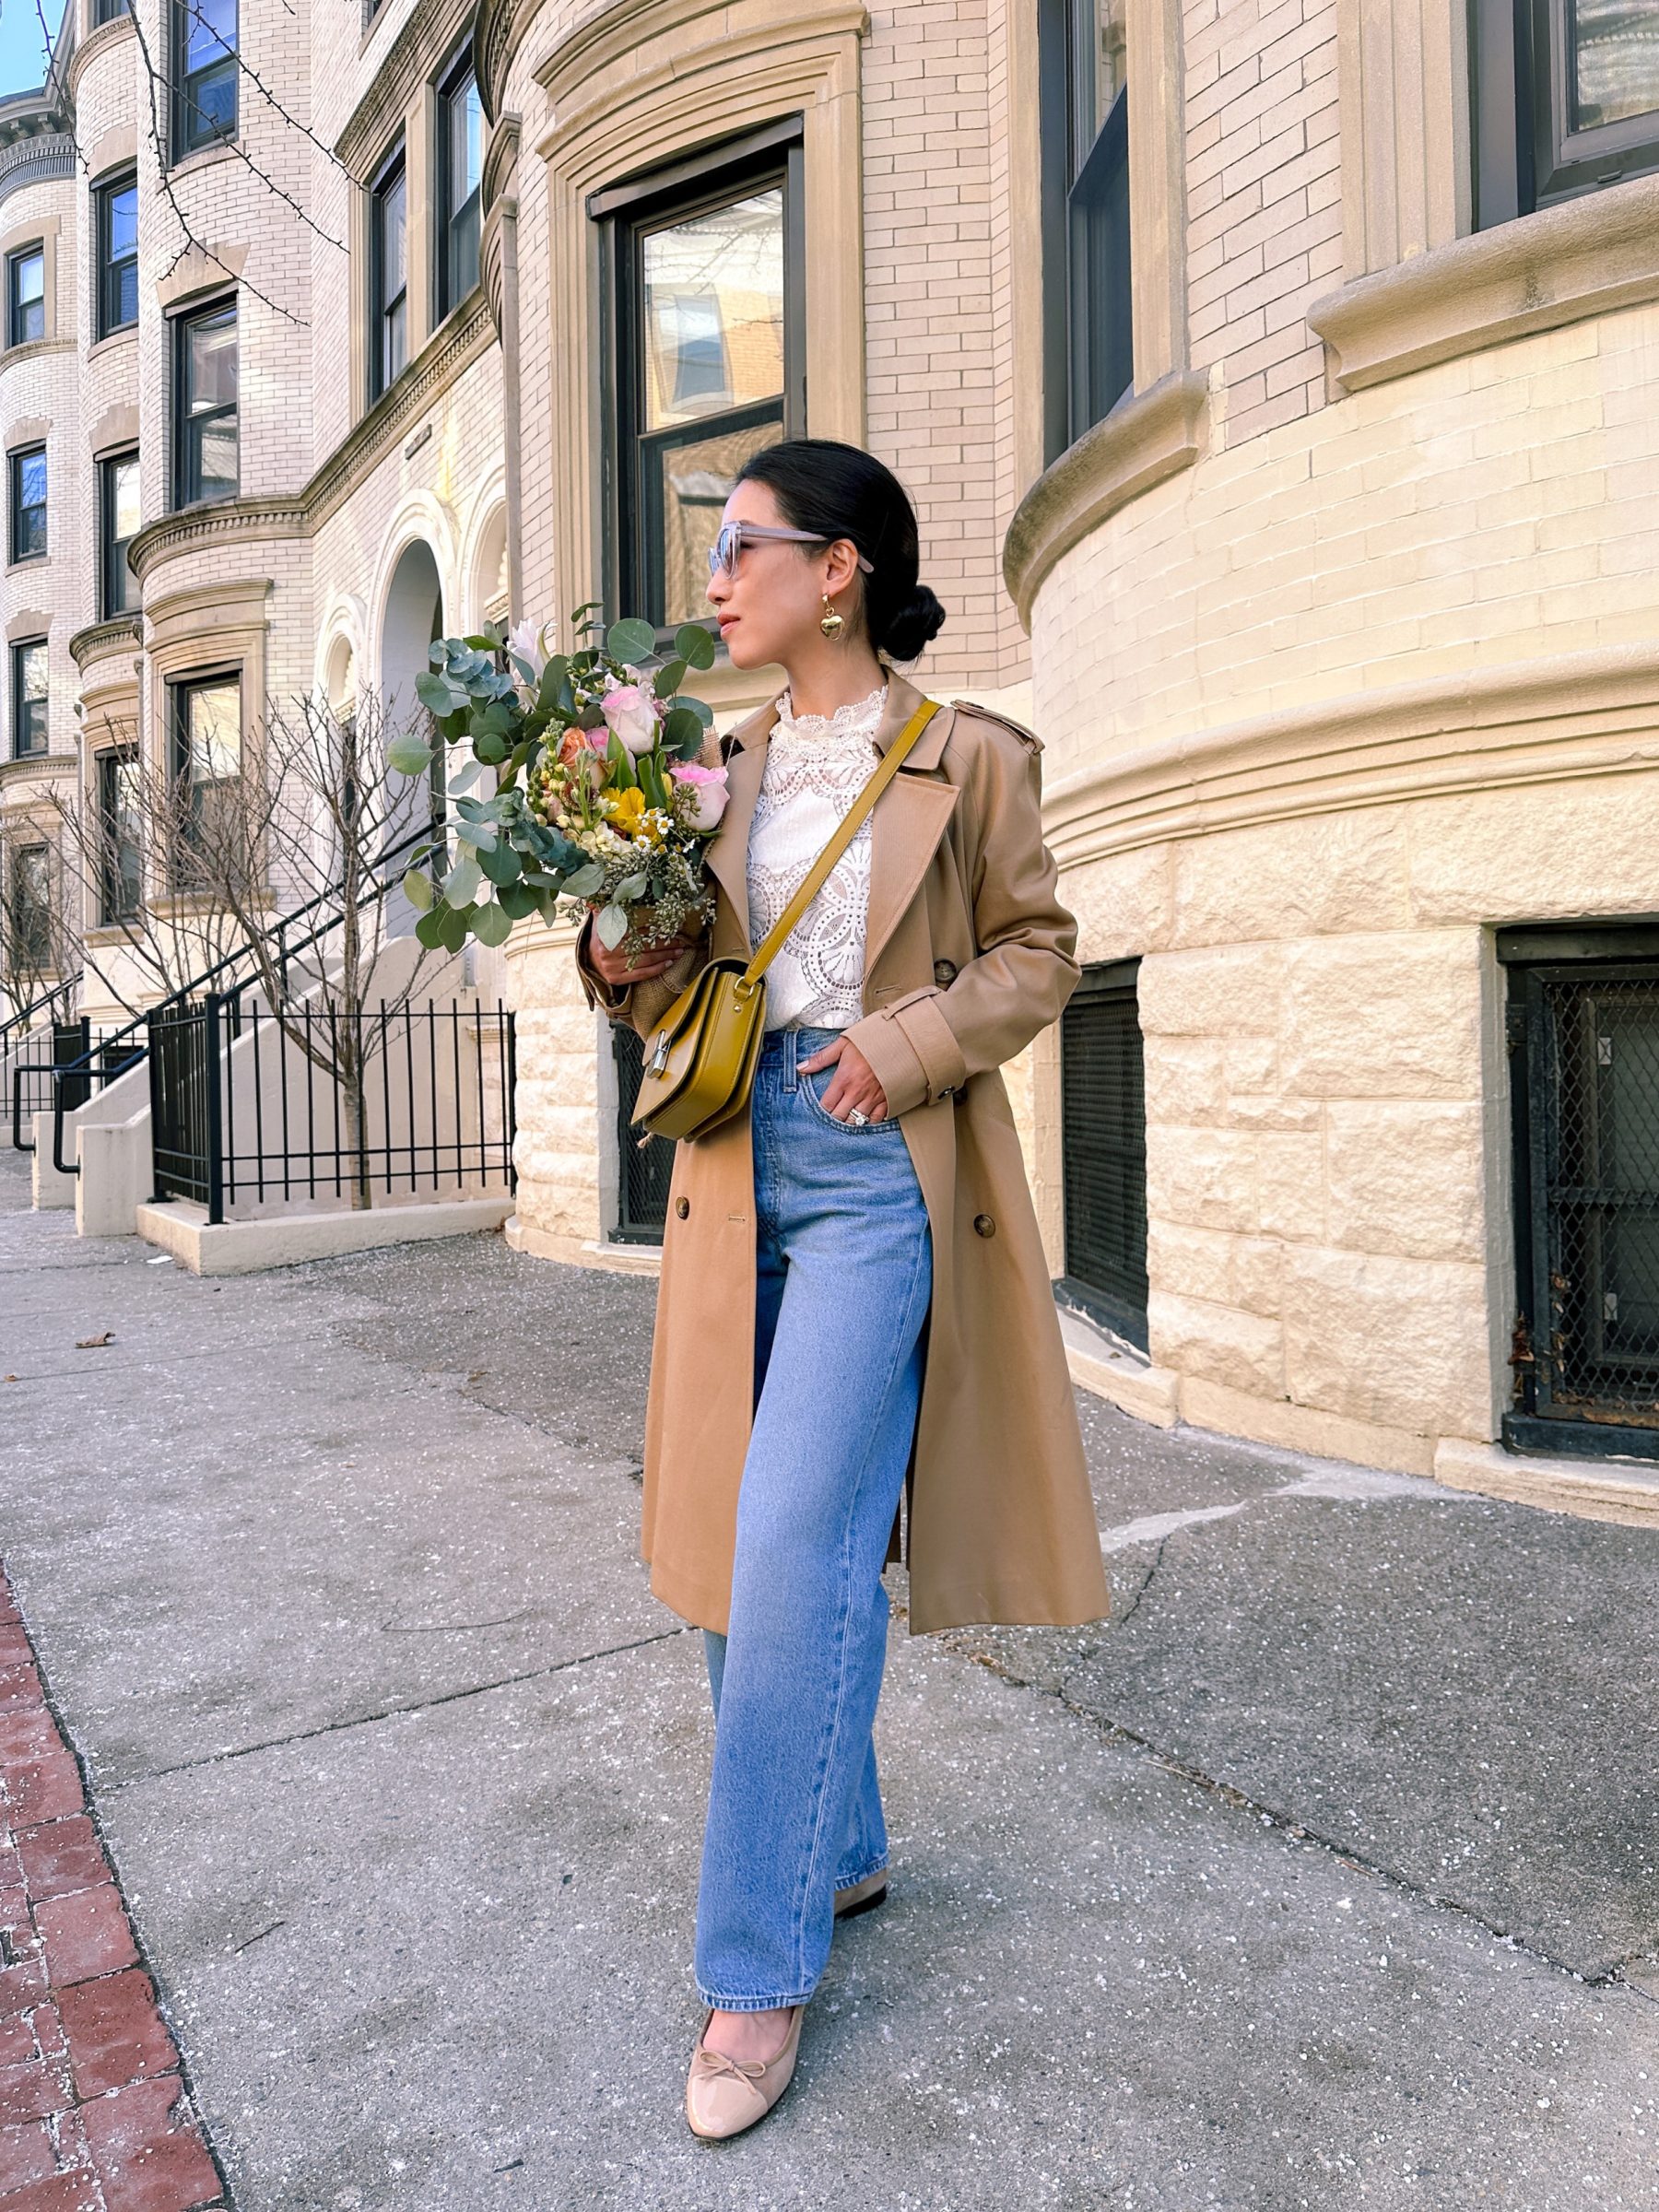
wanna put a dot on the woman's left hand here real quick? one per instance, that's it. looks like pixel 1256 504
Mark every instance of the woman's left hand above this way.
pixel 853 1083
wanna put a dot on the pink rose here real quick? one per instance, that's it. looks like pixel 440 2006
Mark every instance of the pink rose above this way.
pixel 630 712
pixel 708 787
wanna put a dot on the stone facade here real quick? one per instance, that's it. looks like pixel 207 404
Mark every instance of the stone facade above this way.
pixel 1337 628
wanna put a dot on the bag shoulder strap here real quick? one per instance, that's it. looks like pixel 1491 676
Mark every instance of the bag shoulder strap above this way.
pixel 845 831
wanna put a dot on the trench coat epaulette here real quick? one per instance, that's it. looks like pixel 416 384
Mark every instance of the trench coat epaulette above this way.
pixel 1028 738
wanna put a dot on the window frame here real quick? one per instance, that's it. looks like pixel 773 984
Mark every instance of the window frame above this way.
pixel 1525 157
pixel 17 855
pixel 15 461
pixel 180 690
pixel 1120 1306
pixel 691 184
pixel 109 605
pixel 33 248
pixel 113 912
pixel 393 171
pixel 22 716
pixel 446 296
pixel 109 11
pixel 1086 228
pixel 187 136
pixel 1531 958
pixel 186 439
pixel 105 286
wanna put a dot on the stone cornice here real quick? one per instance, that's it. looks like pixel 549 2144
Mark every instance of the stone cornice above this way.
pixel 36 161
pixel 100 638
pixel 463 338
pixel 1142 440
pixel 99 40
pixel 1549 720
pixel 423 42
pixel 37 764
pixel 1585 257
pixel 191 529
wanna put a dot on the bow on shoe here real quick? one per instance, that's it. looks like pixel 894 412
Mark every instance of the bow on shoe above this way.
pixel 717 2063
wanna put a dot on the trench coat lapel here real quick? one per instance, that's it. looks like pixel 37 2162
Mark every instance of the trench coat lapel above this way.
pixel 906 824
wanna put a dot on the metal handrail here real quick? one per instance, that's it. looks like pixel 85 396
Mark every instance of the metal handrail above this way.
pixel 24 1018
pixel 198 984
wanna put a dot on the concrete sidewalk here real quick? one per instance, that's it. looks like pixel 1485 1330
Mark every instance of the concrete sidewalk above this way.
pixel 1325 1877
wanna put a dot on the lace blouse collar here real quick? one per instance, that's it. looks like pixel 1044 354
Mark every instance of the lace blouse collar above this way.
pixel 860 719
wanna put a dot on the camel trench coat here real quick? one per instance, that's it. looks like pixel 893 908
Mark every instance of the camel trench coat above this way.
pixel 967 954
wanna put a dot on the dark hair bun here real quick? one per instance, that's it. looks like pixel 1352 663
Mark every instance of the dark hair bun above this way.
pixel 825 486
pixel 911 626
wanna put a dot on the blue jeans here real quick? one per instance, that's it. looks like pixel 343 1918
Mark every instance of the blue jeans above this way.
pixel 844 1279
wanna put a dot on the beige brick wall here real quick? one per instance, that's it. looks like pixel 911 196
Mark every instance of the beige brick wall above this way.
pixel 1263 210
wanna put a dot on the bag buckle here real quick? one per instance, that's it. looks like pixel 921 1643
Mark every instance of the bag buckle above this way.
pixel 659 1058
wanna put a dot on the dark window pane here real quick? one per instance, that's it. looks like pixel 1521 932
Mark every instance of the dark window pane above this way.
pixel 1615 64
pixel 121 521
pixel 692 478
pixel 29 502
pixel 713 309
pixel 390 271
pixel 30 697
pixel 212 345
pixel 208 430
pixel 463 156
pixel 25 311
pixel 120 852
pixel 123 220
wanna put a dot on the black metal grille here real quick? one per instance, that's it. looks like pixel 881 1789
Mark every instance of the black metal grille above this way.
pixel 644 1173
pixel 1103 1134
pixel 250 1112
pixel 1587 1348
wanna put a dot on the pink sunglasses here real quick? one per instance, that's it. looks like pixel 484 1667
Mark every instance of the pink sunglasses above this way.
pixel 723 552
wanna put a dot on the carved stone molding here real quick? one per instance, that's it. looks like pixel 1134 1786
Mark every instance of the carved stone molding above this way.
pixel 1585 257
pixel 98 40
pixel 461 340
pixel 1142 440
pixel 100 638
pixel 1562 716
pixel 421 46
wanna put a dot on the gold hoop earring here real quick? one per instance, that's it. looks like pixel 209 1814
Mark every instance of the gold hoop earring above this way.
pixel 830 622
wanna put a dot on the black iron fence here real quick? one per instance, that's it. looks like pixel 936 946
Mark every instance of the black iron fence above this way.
pixel 62 1070
pixel 253 1109
pixel 1585 1046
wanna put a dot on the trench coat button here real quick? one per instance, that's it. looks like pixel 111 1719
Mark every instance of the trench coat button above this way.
pixel 984 1225
pixel 682 1206
pixel 944 973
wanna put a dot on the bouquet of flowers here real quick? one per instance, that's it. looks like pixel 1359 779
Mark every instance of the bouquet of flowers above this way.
pixel 599 799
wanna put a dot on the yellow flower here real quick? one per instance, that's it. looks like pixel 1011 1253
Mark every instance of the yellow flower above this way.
pixel 626 808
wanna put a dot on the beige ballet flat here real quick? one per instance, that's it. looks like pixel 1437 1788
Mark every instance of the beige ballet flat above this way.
pixel 861 1897
pixel 724 2095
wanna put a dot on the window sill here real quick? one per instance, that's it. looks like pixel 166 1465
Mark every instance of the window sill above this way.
pixel 202 157
pixel 32 349
pixel 1143 440
pixel 125 334
pixel 1585 257
pixel 29 560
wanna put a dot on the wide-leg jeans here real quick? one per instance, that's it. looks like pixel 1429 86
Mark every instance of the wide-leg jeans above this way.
pixel 844 1279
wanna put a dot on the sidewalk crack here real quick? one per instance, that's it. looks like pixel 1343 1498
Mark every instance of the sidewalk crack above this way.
pixel 386 1712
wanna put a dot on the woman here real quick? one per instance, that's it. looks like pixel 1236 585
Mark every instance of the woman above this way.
pixel 854 1305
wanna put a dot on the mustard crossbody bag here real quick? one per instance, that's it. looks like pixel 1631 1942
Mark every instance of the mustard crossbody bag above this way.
pixel 700 1059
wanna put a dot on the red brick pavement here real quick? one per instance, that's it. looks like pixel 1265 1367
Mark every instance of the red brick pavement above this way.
pixel 94 2116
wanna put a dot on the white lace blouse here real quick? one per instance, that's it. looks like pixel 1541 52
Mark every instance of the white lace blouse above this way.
pixel 816 766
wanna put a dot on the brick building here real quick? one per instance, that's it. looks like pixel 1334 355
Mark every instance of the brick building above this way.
pixel 1275 383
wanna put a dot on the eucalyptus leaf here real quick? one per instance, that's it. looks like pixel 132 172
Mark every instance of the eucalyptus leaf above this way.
pixel 517 899
pixel 418 890
pixel 612 926
pixel 700 708
pixel 692 643
pixel 429 929
pixel 453 925
pixel 585 881
pixel 438 693
pixel 689 748
pixel 501 863
pixel 681 725
pixel 480 835
pixel 460 885
pixel 491 748
pixel 409 755
pixel 668 678
pixel 492 925
pixel 633 886
pixel 631 639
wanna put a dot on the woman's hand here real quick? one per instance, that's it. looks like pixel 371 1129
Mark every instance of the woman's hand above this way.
pixel 853 1083
pixel 620 969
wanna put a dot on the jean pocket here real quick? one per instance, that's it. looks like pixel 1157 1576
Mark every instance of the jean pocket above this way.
pixel 814 1082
